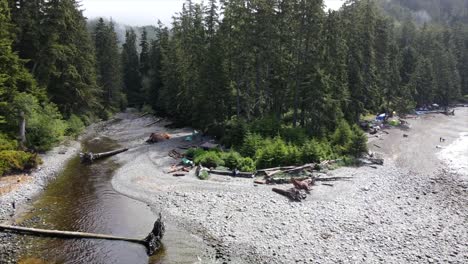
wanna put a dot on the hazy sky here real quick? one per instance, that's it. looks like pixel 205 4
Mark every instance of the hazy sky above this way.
pixel 145 12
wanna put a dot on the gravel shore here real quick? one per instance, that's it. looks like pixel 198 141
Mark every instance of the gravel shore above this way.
pixel 54 162
pixel 410 210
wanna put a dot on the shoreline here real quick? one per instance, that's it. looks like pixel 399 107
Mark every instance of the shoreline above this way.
pixel 404 211
pixel 54 162
pixel 395 213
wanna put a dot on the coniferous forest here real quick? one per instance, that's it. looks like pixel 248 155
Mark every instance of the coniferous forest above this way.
pixel 250 72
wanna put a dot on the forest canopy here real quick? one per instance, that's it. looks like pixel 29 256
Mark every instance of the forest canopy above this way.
pixel 279 69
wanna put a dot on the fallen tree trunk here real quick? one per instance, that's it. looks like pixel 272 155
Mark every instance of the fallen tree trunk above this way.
pixel 144 114
pixel 292 194
pixel 233 173
pixel 90 156
pixel 152 242
pixel 303 167
pixel 276 168
pixel 155 122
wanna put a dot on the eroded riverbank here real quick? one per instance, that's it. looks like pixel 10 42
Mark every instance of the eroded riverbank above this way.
pixel 83 199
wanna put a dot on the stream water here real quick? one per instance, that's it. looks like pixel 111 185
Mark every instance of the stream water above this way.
pixel 82 199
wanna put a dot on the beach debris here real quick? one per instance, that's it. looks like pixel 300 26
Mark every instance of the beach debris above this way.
pixel 292 193
pixel 89 157
pixel 179 174
pixel 152 242
pixel 155 122
pixel 405 135
pixel 175 168
pixel 201 172
pixel 377 146
pixel 144 114
pixel 303 185
pixel 233 173
pixel 175 154
pixel 158 137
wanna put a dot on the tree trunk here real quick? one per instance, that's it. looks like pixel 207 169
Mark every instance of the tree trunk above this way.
pixel 22 130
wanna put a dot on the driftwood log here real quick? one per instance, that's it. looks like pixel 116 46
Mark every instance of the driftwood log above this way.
pixel 90 156
pixel 155 122
pixel 152 242
pixel 293 194
pixel 233 173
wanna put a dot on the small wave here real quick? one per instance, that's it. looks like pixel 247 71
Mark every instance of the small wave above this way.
pixel 456 155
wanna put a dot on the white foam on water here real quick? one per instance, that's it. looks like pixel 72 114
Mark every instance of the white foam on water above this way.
pixel 456 155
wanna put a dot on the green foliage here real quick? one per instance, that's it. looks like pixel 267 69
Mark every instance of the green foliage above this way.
pixel 276 152
pixel 45 128
pixel 342 137
pixel 296 136
pixel 246 165
pixel 267 127
pixel 12 161
pixel 204 175
pixel 235 132
pixel 252 142
pixel 312 152
pixel 75 126
pixel 358 144
pixel 231 159
pixel 192 153
pixel 7 144
pixel 209 159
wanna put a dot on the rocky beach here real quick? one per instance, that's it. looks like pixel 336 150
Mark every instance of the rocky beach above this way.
pixel 412 209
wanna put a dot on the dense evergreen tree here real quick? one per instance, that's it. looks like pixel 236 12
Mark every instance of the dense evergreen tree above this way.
pixel 108 65
pixel 131 69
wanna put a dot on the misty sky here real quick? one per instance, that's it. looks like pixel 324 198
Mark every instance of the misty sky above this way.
pixel 145 12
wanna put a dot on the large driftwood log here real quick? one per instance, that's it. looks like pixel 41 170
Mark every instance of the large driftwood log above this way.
pixel 233 173
pixel 155 122
pixel 303 167
pixel 90 156
pixel 293 194
pixel 152 242
pixel 276 168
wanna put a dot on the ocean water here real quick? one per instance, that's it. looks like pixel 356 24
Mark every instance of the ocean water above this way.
pixel 456 155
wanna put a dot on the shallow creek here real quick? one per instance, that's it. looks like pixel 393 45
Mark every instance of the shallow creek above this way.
pixel 82 199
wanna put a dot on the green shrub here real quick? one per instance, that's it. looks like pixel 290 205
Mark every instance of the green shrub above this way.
pixel 252 142
pixel 231 159
pixel 311 151
pixel 75 126
pixel 210 159
pixel 234 132
pixel 358 144
pixel 45 128
pixel 146 108
pixel 7 144
pixel 12 160
pixel 341 138
pixel 204 175
pixel 267 127
pixel 192 153
pixel 246 165
pixel 275 152
pixel 294 135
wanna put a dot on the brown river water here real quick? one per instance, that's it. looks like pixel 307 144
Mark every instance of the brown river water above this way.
pixel 82 199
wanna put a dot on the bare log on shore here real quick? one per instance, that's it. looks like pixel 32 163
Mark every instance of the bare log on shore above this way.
pixel 233 173
pixel 152 242
pixel 293 194
pixel 90 156
pixel 155 122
